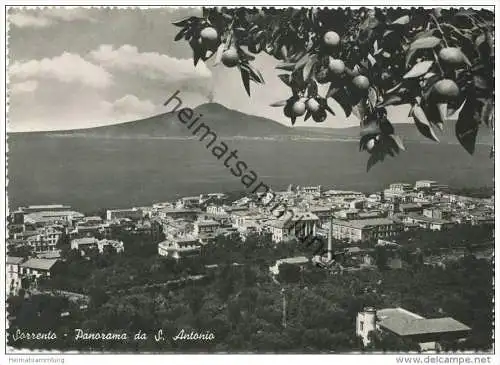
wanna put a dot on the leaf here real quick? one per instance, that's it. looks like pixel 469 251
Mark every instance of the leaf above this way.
pixel 329 105
pixel 302 61
pixel 286 66
pixel 422 123
pixel 344 101
pixel 306 72
pixel 392 100
pixel 180 35
pixel 312 89
pixel 421 43
pixel 466 127
pixel 372 59
pixel 397 140
pixel 218 54
pixel 418 70
pixel 255 74
pixel 185 21
pixel 403 20
pixel 372 96
pixel 285 78
pixel 245 77
pixel 279 103
pixel 386 127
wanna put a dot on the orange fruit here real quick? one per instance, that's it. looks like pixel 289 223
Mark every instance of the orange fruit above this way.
pixel 230 57
pixel 370 145
pixel 336 66
pixel 299 108
pixel 361 82
pixel 331 39
pixel 209 34
pixel 312 105
pixel 446 89
pixel 451 55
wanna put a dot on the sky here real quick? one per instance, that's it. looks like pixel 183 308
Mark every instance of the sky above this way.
pixel 71 68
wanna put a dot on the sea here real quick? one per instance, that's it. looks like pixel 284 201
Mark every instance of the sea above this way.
pixel 92 173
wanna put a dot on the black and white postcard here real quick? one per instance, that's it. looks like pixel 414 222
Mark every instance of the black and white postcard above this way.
pixel 250 180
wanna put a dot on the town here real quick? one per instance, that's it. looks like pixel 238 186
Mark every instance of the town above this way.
pixel 354 233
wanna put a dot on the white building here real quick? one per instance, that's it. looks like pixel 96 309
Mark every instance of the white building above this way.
pixel 37 267
pixel 179 247
pixel 365 229
pixel 13 274
pixel 132 213
pixel 84 243
pixel 116 245
pixel 45 240
pixel 205 227
pixel 299 260
pixel 427 333
pixel 302 224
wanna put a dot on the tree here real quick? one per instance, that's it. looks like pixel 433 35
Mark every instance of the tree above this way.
pixel 437 61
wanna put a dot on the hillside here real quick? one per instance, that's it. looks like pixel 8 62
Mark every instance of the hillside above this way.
pixel 221 120
pixel 231 123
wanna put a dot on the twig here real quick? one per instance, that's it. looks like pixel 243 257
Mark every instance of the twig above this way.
pixel 437 61
pixel 440 29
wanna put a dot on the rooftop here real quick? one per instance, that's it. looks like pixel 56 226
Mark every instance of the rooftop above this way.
pixel 14 260
pixel 84 240
pixel 423 218
pixel 406 323
pixel 39 264
pixel 363 223
pixel 293 260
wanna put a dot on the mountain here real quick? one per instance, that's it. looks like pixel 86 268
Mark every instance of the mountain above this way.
pixel 221 120
pixel 230 123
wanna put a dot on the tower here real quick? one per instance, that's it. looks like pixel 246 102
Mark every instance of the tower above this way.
pixel 366 322
pixel 330 243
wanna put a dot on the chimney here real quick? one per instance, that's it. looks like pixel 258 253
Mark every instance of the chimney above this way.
pixel 330 248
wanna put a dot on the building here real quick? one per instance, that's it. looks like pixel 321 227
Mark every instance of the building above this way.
pixel 430 186
pixel 188 202
pixel 179 247
pixel 299 260
pixel 365 229
pixel 311 190
pixel 51 217
pixel 433 224
pixel 398 190
pixel 84 243
pixel 45 240
pixel 428 333
pixel 113 244
pixel 36 267
pixel 301 225
pixel 205 227
pixel 437 213
pixel 132 213
pixel 13 274
pixel 171 213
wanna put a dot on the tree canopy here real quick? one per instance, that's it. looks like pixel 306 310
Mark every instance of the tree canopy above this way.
pixel 438 61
